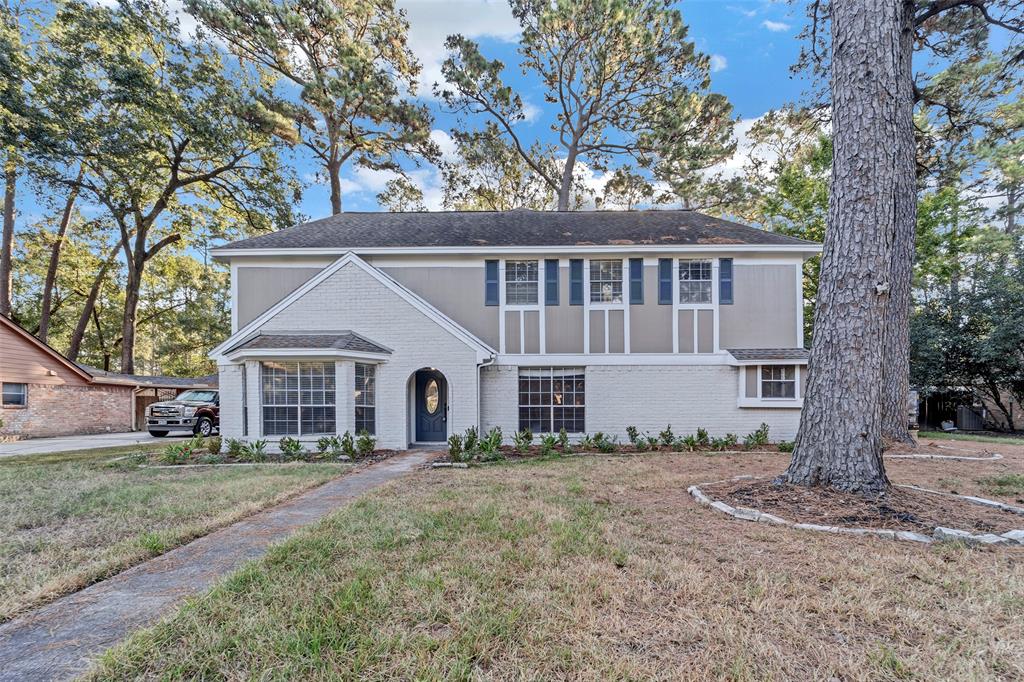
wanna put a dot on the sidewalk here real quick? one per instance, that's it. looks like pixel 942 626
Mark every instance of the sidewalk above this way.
pixel 57 641
pixel 44 446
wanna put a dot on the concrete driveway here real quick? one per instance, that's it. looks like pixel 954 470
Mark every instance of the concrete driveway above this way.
pixel 43 446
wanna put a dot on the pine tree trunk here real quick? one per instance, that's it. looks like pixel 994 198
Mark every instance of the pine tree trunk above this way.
pixel 7 241
pixel 334 171
pixel 51 270
pixel 896 379
pixel 77 336
pixel 131 308
pixel 839 443
pixel 565 188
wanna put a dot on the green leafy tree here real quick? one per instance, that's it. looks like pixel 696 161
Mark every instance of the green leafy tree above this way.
pixel 627 189
pixel 350 64
pixel 622 76
pixel 171 141
pixel 400 194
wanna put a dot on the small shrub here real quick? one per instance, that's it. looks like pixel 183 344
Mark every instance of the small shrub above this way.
pixel 213 444
pixel 291 448
pixel 490 445
pixel 731 439
pixel 348 445
pixel 666 437
pixel 235 447
pixel 176 453
pixel 651 442
pixel 688 443
pixel 328 445
pixel 634 436
pixel 547 444
pixel 757 438
pixel 786 445
pixel 255 451
pixel 365 444
pixel 719 444
pixel 471 441
pixel 522 440
pixel 702 436
pixel 563 439
pixel 455 451
pixel 605 444
pixel 586 442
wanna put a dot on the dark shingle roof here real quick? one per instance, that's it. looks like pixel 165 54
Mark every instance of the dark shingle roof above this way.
pixel 752 354
pixel 153 380
pixel 337 340
pixel 514 228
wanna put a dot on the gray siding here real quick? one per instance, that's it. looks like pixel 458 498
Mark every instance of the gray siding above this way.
pixel 686 321
pixel 616 332
pixel 563 323
pixel 650 323
pixel 597 331
pixel 531 324
pixel 705 331
pixel 458 292
pixel 512 337
pixel 260 288
pixel 764 313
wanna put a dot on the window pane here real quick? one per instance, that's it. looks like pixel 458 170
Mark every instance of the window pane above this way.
pixel 15 395
pixel 521 282
pixel 606 281
pixel 365 397
pixel 551 399
pixel 694 281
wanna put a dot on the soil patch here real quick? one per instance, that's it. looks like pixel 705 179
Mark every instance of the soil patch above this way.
pixel 899 509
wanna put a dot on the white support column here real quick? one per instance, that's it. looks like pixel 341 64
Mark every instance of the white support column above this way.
pixel 254 382
pixel 586 305
pixel 675 305
pixel 626 298
pixel 716 291
pixel 542 299
pixel 501 306
pixel 344 397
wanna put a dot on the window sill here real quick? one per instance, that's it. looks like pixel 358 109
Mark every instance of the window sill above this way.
pixel 789 403
pixel 14 407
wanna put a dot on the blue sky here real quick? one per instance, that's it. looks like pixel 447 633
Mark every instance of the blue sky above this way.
pixel 752 44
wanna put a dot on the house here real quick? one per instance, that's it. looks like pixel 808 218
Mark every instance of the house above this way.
pixel 415 326
pixel 45 394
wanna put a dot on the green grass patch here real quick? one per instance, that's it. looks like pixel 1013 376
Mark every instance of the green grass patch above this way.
pixel 70 519
pixel 1006 485
pixel 977 438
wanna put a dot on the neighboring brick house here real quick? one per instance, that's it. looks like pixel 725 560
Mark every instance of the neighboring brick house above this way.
pixel 415 326
pixel 45 394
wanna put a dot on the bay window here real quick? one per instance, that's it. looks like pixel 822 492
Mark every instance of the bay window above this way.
pixel 298 398
pixel 365 398
pixel 551 399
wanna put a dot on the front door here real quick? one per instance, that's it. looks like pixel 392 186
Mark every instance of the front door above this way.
pixel 431 406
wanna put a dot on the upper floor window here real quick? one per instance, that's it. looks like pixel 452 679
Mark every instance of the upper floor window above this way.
pixel 778 381
pixel 521 282
pixel 606 281
pixel 694 281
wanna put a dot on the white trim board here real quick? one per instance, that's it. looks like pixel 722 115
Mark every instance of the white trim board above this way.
pixel 482 349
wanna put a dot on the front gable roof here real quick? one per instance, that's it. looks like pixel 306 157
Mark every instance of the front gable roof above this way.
pixel 519 228
pixel 252 330
pixel 31 340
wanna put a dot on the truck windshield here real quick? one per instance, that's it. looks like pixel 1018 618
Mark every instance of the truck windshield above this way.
pixel 198 396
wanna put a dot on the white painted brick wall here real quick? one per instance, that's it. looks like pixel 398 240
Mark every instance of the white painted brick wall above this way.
pixel 648 397
pixel 351 299
pixel 230 378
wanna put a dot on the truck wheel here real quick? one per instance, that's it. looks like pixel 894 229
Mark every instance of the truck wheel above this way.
pixel 157 434
pixel 204 427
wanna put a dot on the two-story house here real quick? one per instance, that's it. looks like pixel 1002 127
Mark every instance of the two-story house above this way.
pixel 414 326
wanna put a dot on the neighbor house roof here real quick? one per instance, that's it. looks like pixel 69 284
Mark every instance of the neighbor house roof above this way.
pixel 345 340
pixel 31 339
pixel 753 355
pixel 515 228
pixel 150 380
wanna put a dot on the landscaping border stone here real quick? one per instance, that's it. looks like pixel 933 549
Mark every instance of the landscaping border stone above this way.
pixel 940 533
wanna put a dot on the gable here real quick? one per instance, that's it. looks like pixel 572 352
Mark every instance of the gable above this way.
pixel 26 360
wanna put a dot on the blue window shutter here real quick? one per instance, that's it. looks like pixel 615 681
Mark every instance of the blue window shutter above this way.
pixel 491 282
pixel 725 281
pixel 665 281
pixel 551 281
pixel 636 281
pixel 576 281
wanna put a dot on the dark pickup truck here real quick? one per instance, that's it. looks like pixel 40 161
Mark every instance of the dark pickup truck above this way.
pixel 196 411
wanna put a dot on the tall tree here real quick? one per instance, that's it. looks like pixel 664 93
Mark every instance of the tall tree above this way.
pixel 400 195
pixel 839 441
pixel 350 63
pixel 171 142
pixel 623 76
pixel 627 189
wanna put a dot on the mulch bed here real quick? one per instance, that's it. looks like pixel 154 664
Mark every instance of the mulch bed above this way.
pixel 510 452
pixel 899 509
pixel 205 458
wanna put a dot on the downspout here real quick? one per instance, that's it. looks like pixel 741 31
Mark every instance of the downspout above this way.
pixel 479 414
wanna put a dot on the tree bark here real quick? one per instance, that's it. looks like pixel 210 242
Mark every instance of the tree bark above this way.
pixel 839 442
pixel 7 241
pixel 131 308
pixel 565 186
pixel 51 270
pixel 896 377
pixel 90 304
pixel 334 171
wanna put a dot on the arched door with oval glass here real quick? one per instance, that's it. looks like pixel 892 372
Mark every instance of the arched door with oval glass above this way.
pixel 431 406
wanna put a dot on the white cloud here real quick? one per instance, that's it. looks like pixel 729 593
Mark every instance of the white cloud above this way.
pixel 444 142
pixel 718 63
pixel 432 21
pixel 531 112
pixel 775 26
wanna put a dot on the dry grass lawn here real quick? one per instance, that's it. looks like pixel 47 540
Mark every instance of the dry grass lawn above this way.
pixel 71 519
pixel 597 568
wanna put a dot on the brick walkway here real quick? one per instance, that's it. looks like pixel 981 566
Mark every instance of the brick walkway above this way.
pixel 57 641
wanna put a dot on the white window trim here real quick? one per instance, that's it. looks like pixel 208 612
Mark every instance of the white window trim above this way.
pixel 743 400
pixel 713 303
pixel 299 404
pixel 623 284
pixel 24 393
pixel 504 287
pixel 714 306
pixel 355 402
